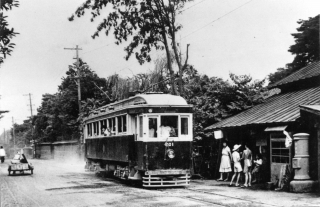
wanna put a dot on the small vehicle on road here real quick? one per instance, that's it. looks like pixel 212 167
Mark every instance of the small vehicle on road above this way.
pixel 20 164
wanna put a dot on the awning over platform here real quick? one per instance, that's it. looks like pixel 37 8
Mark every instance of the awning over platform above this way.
pixel 276 129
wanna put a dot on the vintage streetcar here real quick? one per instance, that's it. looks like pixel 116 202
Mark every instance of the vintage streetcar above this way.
pixel 147 138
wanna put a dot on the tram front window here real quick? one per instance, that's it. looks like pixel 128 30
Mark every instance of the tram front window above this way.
pixel 169 126
pixel 153 127
pixel 184 126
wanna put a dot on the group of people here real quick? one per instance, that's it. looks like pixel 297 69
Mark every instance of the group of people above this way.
pixel 246 156
pixel 18 158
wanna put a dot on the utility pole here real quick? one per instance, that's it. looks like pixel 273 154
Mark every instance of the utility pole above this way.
pixel 4 136
pixel 30 104
pixel 78 74
pixel 13 136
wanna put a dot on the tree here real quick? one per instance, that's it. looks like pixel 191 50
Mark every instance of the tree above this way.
pixel 215 99
pixel 6 33
pixel 147 23
pixel 305 48
pixel 23 134
pixel 58 116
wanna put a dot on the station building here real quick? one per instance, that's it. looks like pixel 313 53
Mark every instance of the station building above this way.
pixel 295 109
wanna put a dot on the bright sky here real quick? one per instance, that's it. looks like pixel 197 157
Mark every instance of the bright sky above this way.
pixel 253 39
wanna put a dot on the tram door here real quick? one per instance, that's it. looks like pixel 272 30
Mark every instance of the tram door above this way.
pixel 280 156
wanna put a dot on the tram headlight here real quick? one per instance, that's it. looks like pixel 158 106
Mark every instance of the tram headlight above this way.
pixel 171 153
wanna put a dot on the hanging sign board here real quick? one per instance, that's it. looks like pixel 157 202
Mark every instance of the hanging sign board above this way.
pixel 218 134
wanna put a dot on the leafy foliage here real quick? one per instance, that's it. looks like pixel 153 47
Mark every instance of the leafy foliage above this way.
pixel 146 24
pixel 215 99
pixel 6 34
pixel 58 116
pixel 23 133
pixel 305 49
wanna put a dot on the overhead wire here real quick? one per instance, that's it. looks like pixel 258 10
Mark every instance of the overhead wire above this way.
pixel 192 6
pixel 61 72
pixel 217 19
pixel 96 48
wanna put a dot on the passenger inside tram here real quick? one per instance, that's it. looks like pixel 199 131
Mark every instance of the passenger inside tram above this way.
pixel 169 126
pixel 107 132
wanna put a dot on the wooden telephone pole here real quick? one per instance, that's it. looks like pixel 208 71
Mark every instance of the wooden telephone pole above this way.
pixel 31 110
pixel 78 74
pixel 13 136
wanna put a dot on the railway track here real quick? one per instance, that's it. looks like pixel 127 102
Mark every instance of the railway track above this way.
pixel 251 202
pixel 197 198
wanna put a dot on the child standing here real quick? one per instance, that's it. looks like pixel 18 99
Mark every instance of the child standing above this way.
pixel 237 164
pixel 258 163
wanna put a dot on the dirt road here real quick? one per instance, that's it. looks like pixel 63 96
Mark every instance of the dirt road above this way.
pixel 59 184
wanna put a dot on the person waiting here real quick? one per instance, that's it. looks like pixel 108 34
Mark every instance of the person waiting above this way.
pixel 256 170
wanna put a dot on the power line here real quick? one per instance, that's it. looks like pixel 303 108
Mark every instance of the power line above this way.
pixel 192 6
pixel 96 48
pixel 217 19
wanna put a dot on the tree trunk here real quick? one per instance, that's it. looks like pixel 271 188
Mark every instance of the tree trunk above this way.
pixel 174 90
pixel 178 60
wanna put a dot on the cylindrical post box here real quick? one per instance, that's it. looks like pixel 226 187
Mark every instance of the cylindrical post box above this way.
pixel 300 162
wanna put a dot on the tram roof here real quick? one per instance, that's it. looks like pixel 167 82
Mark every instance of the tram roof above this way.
pixel 140 100
pixel 162 99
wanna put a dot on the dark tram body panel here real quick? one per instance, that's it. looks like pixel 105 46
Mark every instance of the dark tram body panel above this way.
pixel 117 148
pixel 157 157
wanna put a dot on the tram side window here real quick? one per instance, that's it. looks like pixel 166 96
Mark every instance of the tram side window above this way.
pixel 153 127
pixel 140 126
pixel 112 125
pixel 169 126
pixel 97 125
pixel 89 129
pixel 184 126
pixel 122 123
pixel 103 126
pixel 119 124
pixel 94 128
pixel 124 119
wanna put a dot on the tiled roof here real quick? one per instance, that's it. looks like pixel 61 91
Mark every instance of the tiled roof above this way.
pixel 309 71
pixel 281 108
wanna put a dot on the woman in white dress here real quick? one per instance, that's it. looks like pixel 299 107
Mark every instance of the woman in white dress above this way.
pixel 225 165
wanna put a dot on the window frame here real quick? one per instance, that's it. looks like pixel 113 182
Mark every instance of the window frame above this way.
pixel 146 138
pixel 124 125
pixel 273 139
pixel 188 125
